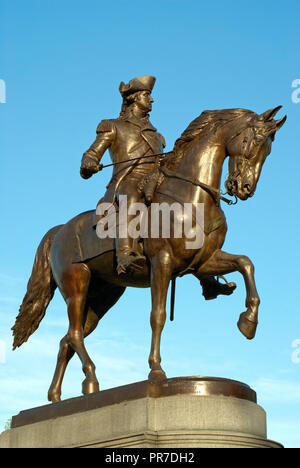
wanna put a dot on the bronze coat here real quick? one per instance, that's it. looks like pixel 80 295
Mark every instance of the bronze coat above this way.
pixel 126 138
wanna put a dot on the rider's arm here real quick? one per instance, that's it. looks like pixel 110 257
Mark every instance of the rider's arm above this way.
pixel 106 132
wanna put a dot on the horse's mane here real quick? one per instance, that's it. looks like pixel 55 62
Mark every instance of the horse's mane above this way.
pixel 207 123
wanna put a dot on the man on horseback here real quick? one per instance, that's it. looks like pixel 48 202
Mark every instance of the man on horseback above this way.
pixel 128 137
pixel 132 137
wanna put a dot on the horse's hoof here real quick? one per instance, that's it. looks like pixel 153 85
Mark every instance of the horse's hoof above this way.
pixel 89 386
pixel 157 375
pixel 246 326
pixel 54 397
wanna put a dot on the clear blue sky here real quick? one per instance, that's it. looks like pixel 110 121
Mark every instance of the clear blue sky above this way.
pixel 62 62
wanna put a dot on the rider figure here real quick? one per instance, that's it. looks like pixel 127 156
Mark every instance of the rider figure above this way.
pixel 130 136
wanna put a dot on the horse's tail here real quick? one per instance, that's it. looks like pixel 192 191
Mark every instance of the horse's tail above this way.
pixel 40 290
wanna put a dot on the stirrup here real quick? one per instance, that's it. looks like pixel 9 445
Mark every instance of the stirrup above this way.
pixel 130 261
pixel 216 288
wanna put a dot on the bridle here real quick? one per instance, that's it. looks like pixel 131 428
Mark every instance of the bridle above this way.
pixel 215 193
pixel 246 149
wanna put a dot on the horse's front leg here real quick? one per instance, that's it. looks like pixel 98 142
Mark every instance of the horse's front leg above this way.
pixel 161 271
pixel 222 263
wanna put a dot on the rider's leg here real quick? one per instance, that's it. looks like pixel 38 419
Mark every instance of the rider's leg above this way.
pixel 128 256
pixel 212 288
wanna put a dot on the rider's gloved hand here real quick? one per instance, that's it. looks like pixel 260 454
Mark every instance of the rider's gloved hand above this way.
pixel 89 167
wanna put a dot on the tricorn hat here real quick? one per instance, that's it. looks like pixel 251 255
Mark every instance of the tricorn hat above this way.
pixel 142 83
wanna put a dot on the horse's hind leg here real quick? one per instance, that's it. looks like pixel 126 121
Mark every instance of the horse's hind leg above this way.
pixel 65 354
pixel 97 306
pixel 75 283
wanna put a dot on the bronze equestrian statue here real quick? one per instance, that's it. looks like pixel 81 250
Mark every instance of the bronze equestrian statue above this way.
pixel 84 268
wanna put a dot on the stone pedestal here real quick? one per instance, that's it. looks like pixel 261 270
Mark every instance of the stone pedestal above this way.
pixel 185 412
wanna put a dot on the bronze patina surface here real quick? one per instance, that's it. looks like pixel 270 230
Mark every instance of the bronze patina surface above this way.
pixel 189 174
pixel 201 386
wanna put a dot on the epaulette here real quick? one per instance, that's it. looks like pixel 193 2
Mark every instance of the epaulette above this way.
pixel 105 126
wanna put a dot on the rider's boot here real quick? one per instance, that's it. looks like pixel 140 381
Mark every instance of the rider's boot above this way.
pixel 213 288
pixel 128 257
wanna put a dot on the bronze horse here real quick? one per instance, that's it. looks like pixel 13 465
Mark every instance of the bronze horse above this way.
pixel 192 173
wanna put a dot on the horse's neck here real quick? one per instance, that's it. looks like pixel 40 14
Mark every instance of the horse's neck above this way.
pixel 204 162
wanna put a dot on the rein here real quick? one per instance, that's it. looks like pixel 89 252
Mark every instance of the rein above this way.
pixel 216 194
pixel 100 166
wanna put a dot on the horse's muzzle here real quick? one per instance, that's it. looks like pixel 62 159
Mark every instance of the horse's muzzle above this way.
pixel 235 187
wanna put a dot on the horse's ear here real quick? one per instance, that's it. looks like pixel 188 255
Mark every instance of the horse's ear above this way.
pixel 269 114
pixel 280 122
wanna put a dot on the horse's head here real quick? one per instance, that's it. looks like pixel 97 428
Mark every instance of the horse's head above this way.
pixel 248 148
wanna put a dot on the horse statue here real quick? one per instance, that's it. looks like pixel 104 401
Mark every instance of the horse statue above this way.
pixel 190 174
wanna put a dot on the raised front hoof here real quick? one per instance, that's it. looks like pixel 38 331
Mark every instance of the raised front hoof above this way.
pixel 89 386
pixel 156 375
pixel 246 326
